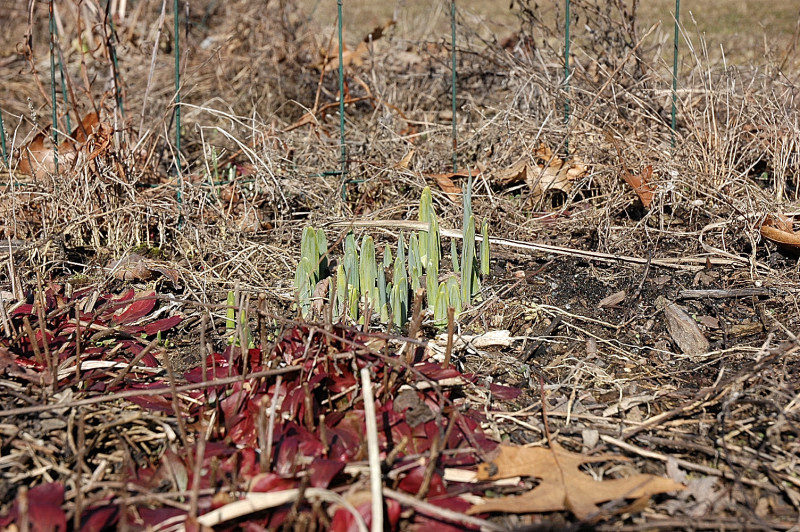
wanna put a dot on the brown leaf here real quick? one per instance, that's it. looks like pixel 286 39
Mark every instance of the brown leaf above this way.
pixel 544 174
pixel 613 300
pixel 682 328
pixel 778 228
pixel 38 160
pixel 87 127
pixel 516 173
pixel 131 267
pixel 378 31
pixel 446 184
pixel 135 267
pixel 640 184
pixel 354 57
pixel 318 297
pixel 551 178
pixel 562 484
pixel 406 160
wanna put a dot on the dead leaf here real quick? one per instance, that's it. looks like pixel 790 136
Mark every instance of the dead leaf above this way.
pixel 739 330
pixel 445 182
pixel 310 118
pixel 378 31
pixel 563 486
pixel 135 267
pixel 640 184
pixel 709 321
pixel 39 160
pixel 613 300
pixel 354 57
pixel 406 160
pixel 552 178
pixel 81 133
pixel 778 228
pixel 349 57
pixel 544 173
pixel 318 297
pixel 516 173
pixel 682 328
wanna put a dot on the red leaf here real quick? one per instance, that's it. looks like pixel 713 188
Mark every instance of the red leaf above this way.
pixel 134 348
pixel 506 393
pixel 340 383
pixel 345 444
pixel 24 309
pixel 139 308
pixel 413 481
pixel 152 517
pixel 640 184
pixel 159 403
pixel 248 463
pixel 321 471
pixel 434 371
pixel 243 432
pixel 343 520
pixel 162 325
pixel 218 371
pixel 264 482
pixel 44 502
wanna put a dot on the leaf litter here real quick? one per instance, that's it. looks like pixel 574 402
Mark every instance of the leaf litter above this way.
pixel 178 421
pixel 562 485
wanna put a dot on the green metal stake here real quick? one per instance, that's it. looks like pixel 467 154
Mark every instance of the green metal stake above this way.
pixel 566 71
pixel 343 159
pixel 115 63
pixel 3 139
pixel 453 81
pixel 178 102
pixel 675 73
pixel 54 128
pixel 63 86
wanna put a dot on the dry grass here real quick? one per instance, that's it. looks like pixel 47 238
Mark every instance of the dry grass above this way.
pixel 252 176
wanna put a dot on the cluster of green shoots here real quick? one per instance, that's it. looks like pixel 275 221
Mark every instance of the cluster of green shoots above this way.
pixel 358 288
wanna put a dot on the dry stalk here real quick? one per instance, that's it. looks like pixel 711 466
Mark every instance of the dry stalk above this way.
pixel 373 451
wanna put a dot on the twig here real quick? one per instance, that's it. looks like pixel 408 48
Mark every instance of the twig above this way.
pixel 40 306
pixel 416 323
pixel 149 347
pixel 686 464
pixel 448 352
pixel 203 352
pixel 175 405
pixel 256 502
pixel 440 513
pixel 439 444
pixel 77 346
pixel 26 324
pixel 197 475
pixel 373 451
pixel 79 463
pixel 677 264
pixel 724 294
pixel 271 425
pixel 127 394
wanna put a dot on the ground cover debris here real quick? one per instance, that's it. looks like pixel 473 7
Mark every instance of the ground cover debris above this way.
pixel 590 323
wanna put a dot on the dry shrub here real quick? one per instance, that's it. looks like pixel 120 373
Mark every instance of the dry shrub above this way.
pixel 257 107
